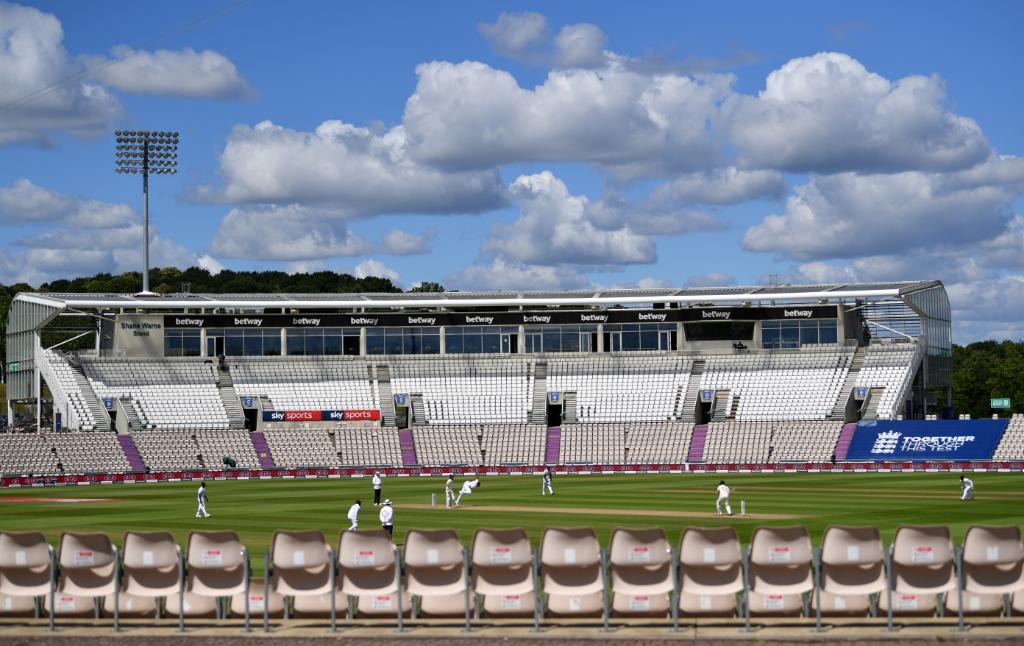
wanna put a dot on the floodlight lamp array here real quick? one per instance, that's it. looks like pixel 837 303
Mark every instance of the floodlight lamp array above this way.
pixel 148 152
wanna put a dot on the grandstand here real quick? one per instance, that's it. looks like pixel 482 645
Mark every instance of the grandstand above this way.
pixel 734 375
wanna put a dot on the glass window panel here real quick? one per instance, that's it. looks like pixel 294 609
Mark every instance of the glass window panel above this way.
pixel 630 341
pixel 472 344
pixel 649 340
pixel 392 343
pixel 234 346
pixel 253 346
pixel 770 337
pixel 430 344
pixel 314 345
pixel 492 343
pixel 453 343
pixel 332 345
pixel 552 341
pixel 296 343
pixel 571 341
pixel 410 344
pixel 271 345
pixel 827 332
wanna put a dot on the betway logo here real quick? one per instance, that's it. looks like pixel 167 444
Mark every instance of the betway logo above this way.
pixel 536 318
pixel 715 315
pixel 422 320
pixel 305 321
pixel 252 322
pixel 797 314
pixel 363 320
pixel 599 318
pixel 652 317
pixel 188 322
pixel 486 320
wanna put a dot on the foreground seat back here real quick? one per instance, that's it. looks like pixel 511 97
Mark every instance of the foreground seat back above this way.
pixel 922 560
pixel 993 560
pixel 87 564
pixel 216 564
pixel 152 563
pixel 641 571
pixel 710 563
pixel 366 563
pixel 571 571
pixel 301 564
pixel 503 571
pixel 780 561
pixel 852 561
pixel 26 564
pixel 435 565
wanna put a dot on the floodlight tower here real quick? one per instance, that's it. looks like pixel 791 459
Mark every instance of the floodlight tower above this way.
pixel 145 152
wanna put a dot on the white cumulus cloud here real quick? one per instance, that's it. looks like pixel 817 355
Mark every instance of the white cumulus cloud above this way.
pixel 500 274
pixel 204 75
pixel 371 267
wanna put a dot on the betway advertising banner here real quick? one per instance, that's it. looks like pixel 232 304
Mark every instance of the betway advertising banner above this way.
pixel 887 440
pixel 321 415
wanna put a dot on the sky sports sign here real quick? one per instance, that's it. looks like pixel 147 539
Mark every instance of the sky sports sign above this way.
pixel 545 317
pixel 321 415
pixel 887 440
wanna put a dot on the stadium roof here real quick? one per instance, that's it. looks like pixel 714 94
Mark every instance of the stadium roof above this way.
pixel 584 298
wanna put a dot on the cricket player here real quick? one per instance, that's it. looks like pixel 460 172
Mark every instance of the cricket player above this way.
pixel 353 515
pixel 449 491
pixel 545 483
pixel 201 499
pixel 968 488
pixel 723 498
pixel 376 489
pixel 386 514
pixel 467 488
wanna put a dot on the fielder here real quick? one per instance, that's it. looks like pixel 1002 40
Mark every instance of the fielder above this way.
pixel 545 483
pixel 386 514
pixel 968 488
pixel 467 489
pixel 201 498
pixel 377 483
pixel 449 491
pixel 353 515
pixel 723 498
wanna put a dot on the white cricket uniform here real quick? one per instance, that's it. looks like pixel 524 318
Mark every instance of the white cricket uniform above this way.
pixel 968 487
pixel 376 489
pixel 723 499
pixel 353 517
pixel 545 483
pixel 467 489
pixel 449 493
pixel 386 513
pixel 201 499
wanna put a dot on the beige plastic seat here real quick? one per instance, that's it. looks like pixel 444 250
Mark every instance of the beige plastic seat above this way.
pixel 922 560
pixel 26 563
pixel 435 563
pixel 707 605
pixel 216 564
pixel 272 602
pixel 301 564
pixel 975 604
pixel 842 605
pixel 1017 603
pixel 366 563
pixel 131 605
pixel 641 571
pixel 710 571
pixel 780 561
pixel 319 606
pixel 571 572
pixel 773 604
pixel 17 606
pixel 195 605
pixel 852 561
pixel 151 564
pixel 382 605
pixel 906 604
pixel 70 605
pixel 993 560
pixel 503 571
pixel 87 565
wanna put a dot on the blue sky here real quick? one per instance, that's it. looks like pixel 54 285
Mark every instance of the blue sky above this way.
pixel 528 145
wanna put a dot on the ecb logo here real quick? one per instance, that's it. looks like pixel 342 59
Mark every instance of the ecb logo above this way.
pixel 247 402
pixel 886 442
pixel 554 397
pixel 400 400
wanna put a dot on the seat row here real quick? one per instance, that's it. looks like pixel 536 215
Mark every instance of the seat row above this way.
pixel 709 574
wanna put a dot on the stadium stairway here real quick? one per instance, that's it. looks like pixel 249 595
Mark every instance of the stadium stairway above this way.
pixel 846 390
pixel 539 413
pixel 689 405
pixel 553 445
pixel 845 437
pixel 232 407
pixel 408 447
pixel 700 434
pixel 259 442
pixel 131 452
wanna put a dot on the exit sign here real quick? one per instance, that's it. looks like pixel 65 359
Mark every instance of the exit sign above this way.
pixel 14 366
pixel 1000 402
